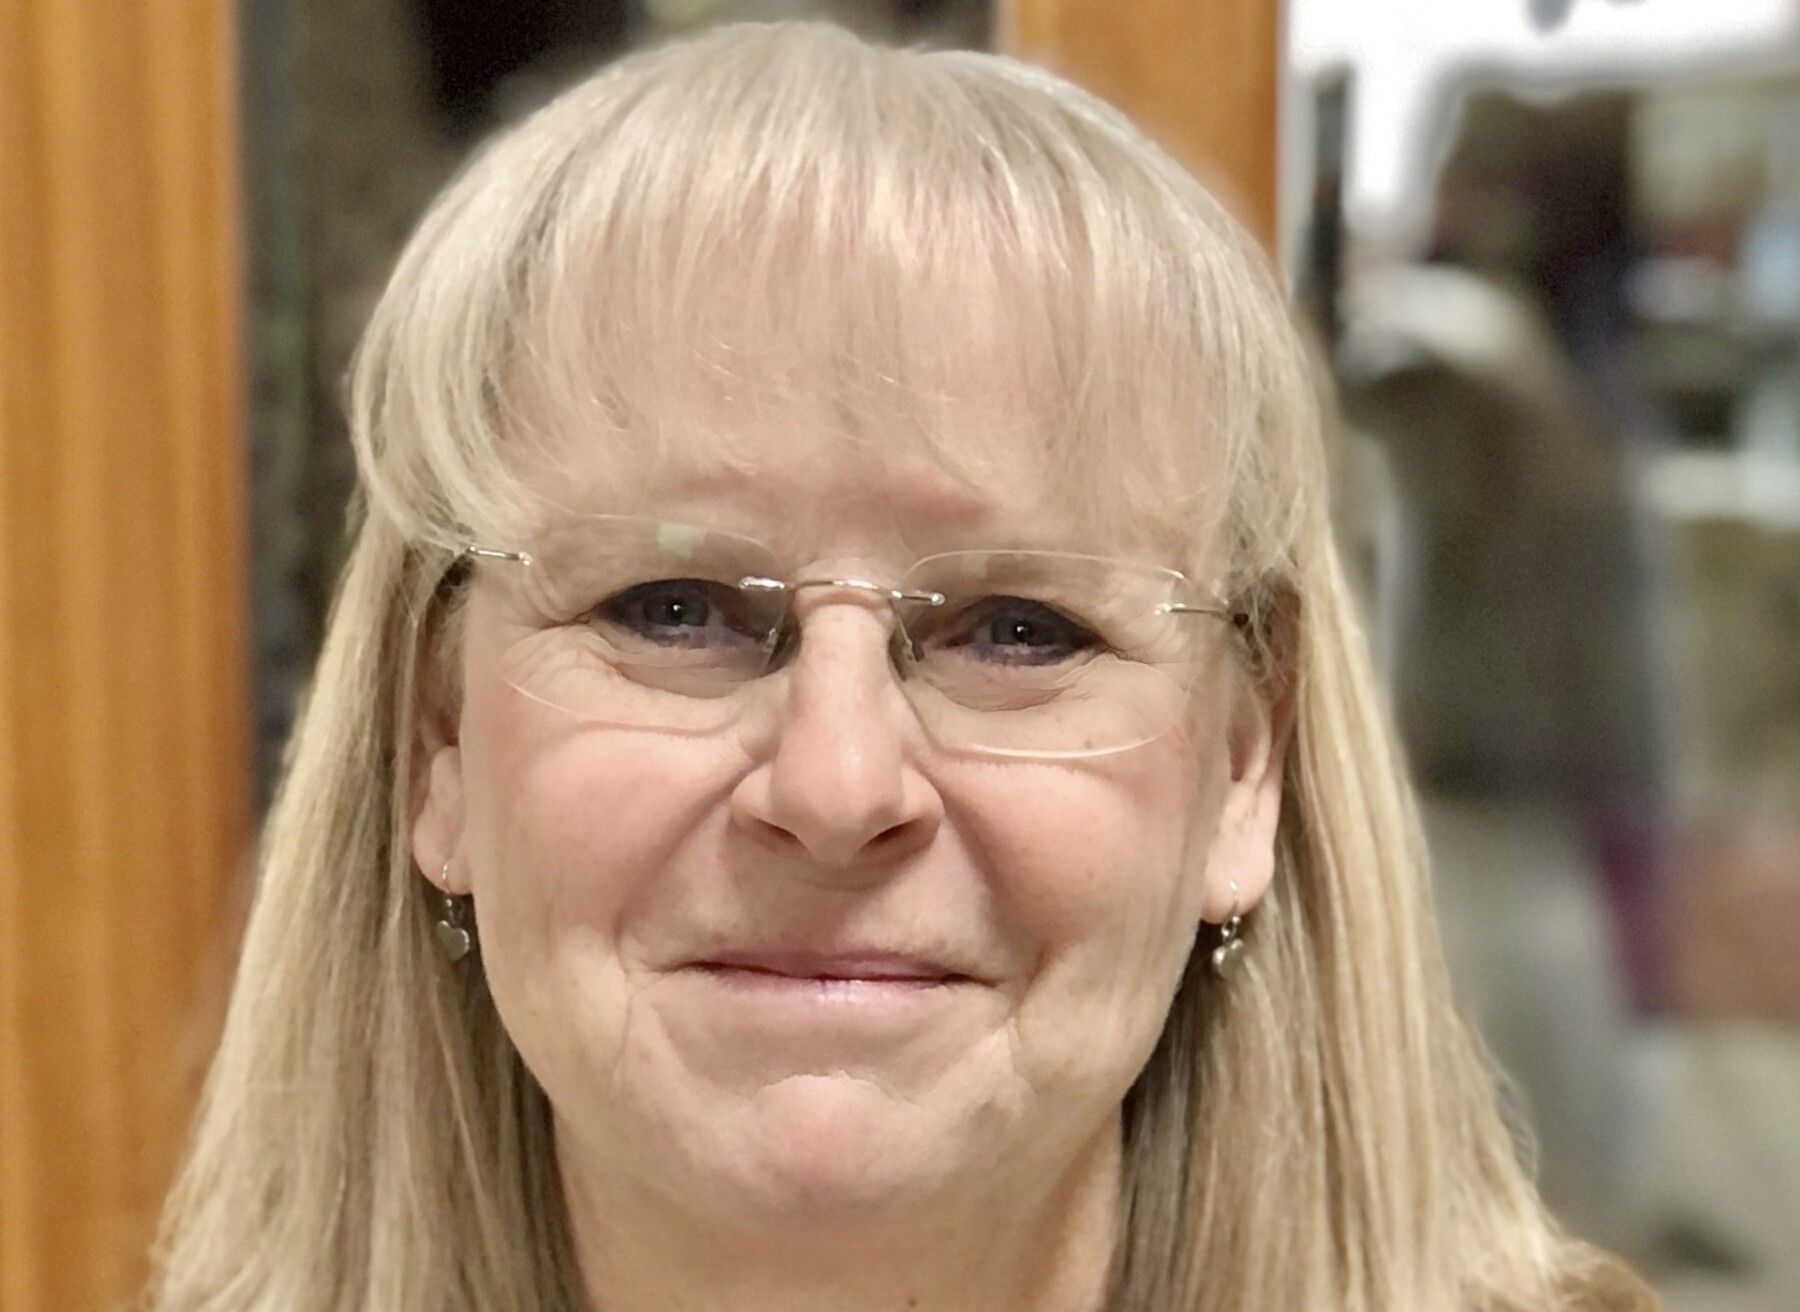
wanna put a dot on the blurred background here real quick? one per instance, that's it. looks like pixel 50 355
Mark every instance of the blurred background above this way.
pixel 1554 251
pixel 1549 251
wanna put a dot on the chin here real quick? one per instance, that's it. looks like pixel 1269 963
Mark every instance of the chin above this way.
pixel 834 1149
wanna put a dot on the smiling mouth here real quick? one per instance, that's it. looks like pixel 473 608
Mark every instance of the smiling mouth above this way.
pixel 807 968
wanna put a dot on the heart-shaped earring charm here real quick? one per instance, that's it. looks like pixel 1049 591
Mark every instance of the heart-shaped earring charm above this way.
pixel 453 940
pixel 1225 956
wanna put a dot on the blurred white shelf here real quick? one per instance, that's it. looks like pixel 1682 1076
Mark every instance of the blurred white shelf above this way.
pixel 1694 485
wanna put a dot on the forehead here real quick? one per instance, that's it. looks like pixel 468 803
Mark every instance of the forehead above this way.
pixel 947 400
pixel 810 475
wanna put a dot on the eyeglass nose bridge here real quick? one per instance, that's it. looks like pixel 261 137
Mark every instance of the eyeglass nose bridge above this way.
pixel 893 595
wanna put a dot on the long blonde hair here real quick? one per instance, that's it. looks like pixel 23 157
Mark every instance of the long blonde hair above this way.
pixel 1321 1133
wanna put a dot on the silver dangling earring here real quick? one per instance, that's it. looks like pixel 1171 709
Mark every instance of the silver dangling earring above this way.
pixel 455 938
pixel 1231 943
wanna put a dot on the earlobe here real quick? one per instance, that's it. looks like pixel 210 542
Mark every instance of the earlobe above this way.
pixel 436 800
pixel 1243 847
pixel 438 821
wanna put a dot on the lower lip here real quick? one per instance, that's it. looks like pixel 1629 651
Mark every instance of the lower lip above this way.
pixel 870 994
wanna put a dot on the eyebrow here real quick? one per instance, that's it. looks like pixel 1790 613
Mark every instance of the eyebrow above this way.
pixel 686 538
pixel 948 517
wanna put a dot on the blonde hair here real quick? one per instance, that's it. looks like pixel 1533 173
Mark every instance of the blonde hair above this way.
pixel 1320 1133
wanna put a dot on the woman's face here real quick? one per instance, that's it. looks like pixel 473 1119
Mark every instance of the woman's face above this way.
pixel 826 968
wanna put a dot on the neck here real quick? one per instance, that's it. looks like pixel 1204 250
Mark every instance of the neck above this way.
pixel 999 1247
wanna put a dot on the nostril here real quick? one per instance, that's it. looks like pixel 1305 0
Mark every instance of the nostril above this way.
pixel 778 837
pixel 892 836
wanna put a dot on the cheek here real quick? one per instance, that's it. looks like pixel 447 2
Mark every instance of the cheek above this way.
pixel 1099 848
pixel 570 833
pixel 582 820
pixel 1100 865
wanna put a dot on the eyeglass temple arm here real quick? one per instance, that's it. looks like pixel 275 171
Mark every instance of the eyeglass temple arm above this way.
pixel 1216 612
pixel 488 553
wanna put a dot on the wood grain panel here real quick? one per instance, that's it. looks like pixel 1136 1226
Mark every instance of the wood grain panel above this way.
pixel 123 813
pixel 1203 76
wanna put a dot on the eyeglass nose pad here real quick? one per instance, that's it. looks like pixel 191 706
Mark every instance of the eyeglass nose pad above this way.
pixel 902 650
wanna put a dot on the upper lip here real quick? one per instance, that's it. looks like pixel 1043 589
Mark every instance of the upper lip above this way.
pixel 807 964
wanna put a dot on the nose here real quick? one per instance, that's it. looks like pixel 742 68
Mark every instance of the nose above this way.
pixel 839 783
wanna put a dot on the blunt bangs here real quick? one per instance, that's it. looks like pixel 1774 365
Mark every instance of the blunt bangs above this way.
pixel 944 245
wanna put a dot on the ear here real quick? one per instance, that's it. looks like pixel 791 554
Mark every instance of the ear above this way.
pixel 1262 723
pixel 437 788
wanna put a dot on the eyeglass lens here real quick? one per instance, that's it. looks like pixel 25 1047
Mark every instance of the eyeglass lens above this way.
pixel 643 623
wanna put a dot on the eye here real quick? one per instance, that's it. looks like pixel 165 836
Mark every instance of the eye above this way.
pixel 684 613
pixel 1012 631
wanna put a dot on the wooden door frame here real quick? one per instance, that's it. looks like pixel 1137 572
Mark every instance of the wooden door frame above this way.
pixel 123 778
pixel 1202 76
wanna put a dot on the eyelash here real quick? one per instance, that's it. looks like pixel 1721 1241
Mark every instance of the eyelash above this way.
pixel 1070 638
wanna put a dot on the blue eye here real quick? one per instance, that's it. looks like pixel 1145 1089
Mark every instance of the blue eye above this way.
pixel 1012 631
pixel 680 613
